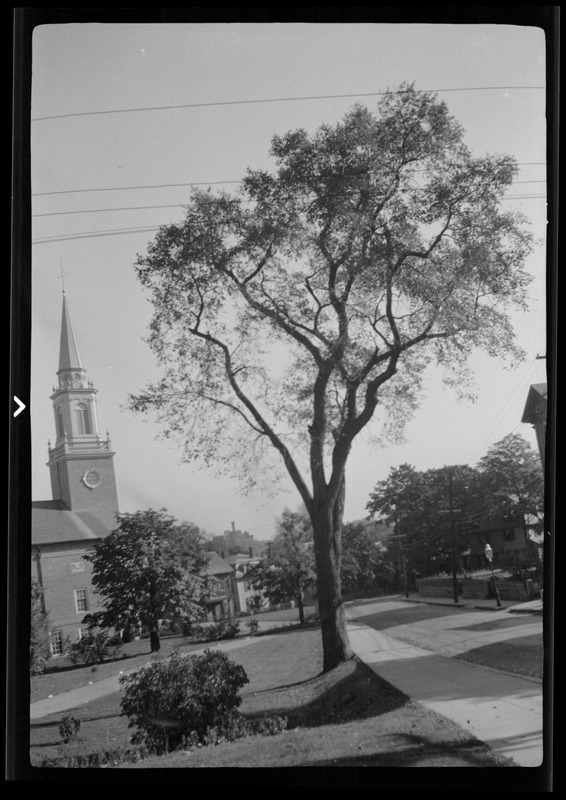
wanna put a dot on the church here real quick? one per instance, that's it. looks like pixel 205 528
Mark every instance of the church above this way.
pixel 84 502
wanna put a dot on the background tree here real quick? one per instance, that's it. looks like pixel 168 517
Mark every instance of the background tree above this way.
pixel 365 565
pixel 418 504
pixel 39 649
pixel 284 315
pixel 148 569
pixel 513 481
pixel 288 573
pixel 511 469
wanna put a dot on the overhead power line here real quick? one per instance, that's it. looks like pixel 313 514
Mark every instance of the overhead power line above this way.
pixel 181 205
pixel 279 100
pixel 91 234
pixel 205 183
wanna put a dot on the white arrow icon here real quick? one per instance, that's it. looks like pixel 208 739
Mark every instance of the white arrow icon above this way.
pixel 20 404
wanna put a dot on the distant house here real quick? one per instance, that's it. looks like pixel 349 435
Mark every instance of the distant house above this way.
pixel 505 533
pixel 221 603
pixel 242 590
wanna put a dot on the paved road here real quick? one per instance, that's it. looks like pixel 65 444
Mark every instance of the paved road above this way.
pixel 498 639
pixel 504 711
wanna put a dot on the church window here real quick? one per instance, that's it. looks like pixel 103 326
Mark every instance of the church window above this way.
pixel 81 603
pixel 56 643
pixel 83 419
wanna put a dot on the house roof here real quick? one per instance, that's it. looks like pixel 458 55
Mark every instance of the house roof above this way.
pixel 536 399
pixel 217 565
pixel 242 558
pixel 53 523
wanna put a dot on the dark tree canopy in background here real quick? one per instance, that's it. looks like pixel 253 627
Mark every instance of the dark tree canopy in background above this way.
pixel 508 479
pixel 285 314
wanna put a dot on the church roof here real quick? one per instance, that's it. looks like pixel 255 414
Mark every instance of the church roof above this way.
pixel 53 523
pixel 69 356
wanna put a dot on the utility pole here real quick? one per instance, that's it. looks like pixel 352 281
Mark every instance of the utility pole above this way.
pixel 452 511
pixel 399 539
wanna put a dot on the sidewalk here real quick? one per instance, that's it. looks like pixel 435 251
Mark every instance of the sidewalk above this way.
pixel 502 710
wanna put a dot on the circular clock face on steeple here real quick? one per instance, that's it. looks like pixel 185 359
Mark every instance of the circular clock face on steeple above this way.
pixel 77 376
pixel 91 479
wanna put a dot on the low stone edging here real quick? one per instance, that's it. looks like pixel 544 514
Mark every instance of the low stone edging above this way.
pixel 471 589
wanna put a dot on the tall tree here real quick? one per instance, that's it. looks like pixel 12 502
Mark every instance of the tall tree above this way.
pixel 513 479
pixel 148 569
pixel 289 571
pixel 425 508
pixel 284 315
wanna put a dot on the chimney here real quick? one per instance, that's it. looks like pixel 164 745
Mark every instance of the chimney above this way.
pixel 233 526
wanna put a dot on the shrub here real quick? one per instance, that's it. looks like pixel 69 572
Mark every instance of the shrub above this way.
pixel 253 625
pixel 181 698
pixel 225 629
pixel 235 726
pixel 69 729
pixel 105 758
pixel 92 648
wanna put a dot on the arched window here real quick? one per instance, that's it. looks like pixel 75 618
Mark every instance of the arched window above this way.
pixel 83 419
pixel 59 423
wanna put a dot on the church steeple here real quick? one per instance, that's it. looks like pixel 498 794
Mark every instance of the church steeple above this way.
pixel 80 463
pixel 69 357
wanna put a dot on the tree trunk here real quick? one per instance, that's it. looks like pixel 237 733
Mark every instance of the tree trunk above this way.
pixel 300 605
pixel 327 526
pixel 155 644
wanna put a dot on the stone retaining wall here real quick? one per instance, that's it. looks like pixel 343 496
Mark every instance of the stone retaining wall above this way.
pixel 435 587
pixel 476 589
pixel 470 588
pixel 509 590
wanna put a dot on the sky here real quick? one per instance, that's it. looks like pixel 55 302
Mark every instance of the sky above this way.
pixel 125 117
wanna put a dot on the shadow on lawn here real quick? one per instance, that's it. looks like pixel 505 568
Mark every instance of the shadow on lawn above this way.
pixel 292 627
pixel 353 693
pixel 408 750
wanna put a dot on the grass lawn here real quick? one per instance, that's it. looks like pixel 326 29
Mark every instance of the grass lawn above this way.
pixel 347 717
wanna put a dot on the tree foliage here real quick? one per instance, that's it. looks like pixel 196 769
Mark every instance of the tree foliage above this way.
pixel 148 569
pixel 508 480
pixel 511 471
pixel 365 564
pixel 39 649
pixel 288 573
pixel 284 315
